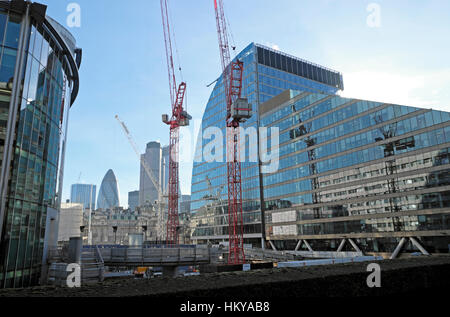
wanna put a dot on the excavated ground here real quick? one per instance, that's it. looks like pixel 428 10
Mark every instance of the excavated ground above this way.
pixel 398 277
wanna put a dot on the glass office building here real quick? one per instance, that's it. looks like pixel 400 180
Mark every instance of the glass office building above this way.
pixel 133 200
pixel 84 194
pixel 38 83
pixel 366 172
pixel 267 73
pixel 108 195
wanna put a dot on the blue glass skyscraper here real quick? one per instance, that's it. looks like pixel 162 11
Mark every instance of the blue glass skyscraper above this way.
pixel 84 194
pixel 357 175
pixel 267 73
pixel 108 195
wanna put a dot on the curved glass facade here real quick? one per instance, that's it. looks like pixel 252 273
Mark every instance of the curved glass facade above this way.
pixel 368 171
pixel 262 80
pixel 35 71
pixel 108 196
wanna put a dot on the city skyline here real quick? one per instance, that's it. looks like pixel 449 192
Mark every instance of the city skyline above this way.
pixel 375 62
pixel 307 154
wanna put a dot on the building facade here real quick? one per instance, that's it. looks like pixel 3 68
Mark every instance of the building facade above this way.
pixel 38 84
pixel 267 73
pixel 133 200
pixel 108 195
pixel 118 226
pixel 356 174
pixel 84 194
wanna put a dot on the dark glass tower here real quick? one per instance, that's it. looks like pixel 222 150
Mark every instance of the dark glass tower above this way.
pixel 38 84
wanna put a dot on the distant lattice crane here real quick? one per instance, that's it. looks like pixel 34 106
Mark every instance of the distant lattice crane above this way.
pixel 150 175
pixel 178 118
pixel 238 110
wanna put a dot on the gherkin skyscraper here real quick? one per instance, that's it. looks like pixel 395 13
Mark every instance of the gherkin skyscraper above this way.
pixel 108 196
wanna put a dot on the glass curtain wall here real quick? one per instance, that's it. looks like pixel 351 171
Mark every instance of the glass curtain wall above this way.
pixel 38 150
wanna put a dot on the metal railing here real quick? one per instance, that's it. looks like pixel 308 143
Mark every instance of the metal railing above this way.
pixel 58 254
pixel 260 254
pixel 155 256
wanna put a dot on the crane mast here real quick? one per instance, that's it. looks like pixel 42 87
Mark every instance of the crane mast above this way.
pixel 178 118
pixel 238 110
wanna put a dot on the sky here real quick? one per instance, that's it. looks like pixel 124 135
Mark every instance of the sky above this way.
pixel 389 51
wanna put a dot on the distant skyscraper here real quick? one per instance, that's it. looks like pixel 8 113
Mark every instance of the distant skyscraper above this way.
pixel 133 200
pixel 157 159
pixel 152 156
pixel 108 195
pixel 185 206
pixel 84 194
pixel 165 169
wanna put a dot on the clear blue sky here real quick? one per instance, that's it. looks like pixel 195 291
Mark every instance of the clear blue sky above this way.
pixel 405 60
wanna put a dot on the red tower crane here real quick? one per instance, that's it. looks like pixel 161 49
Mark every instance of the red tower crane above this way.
pixel 238 110
pixel 177 119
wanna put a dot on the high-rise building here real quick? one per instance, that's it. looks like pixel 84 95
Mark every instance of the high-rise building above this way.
pixel 357 175
pixel 165 169
pixel 133 200
pixel 38 84
pixel 108 195
pixel 84 194
pixel 148 193
pixel 185 206
pixel 267 73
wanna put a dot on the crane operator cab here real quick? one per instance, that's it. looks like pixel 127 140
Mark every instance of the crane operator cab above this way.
pixel 183 121
pixel 185 118
pixel 241 110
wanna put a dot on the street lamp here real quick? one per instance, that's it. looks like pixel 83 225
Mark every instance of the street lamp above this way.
pixel 115 233
pixel 144 229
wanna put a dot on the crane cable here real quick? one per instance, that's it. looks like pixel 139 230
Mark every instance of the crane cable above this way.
pixel 176 50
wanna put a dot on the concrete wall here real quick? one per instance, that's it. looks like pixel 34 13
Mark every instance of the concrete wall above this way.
pixel 70 220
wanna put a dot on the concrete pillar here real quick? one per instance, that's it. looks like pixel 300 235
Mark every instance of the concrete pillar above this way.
pixel 354 245
pixel 308 246
pixel 170 271
pixel 75 249
pixel 418 246
pixel 50 240
pixel 398 248
pixel 341 246
pixel 272 245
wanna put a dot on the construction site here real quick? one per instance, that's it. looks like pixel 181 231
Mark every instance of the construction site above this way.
pixel 357 184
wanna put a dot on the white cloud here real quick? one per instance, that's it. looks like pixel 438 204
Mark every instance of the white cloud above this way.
pixel 428 90
pixel 273 46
